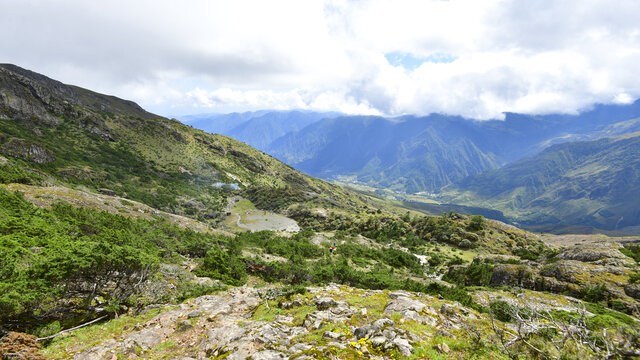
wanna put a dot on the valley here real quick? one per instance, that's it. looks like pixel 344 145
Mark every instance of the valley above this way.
pixel 181 244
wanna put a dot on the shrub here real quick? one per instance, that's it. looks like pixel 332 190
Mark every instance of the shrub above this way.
pixel 502 310
pixel 476 223
pixel 223 265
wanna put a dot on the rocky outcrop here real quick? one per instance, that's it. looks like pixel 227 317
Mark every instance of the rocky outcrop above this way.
pixel 224 326
pixel 27 150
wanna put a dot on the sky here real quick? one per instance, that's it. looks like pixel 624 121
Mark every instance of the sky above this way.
pixel 474 58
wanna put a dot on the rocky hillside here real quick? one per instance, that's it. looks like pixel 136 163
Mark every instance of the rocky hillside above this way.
pixel 339 322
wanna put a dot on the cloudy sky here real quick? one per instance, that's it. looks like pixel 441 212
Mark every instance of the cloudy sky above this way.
pixel 474 58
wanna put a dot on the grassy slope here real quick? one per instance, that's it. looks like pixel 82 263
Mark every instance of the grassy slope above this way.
pixel 141 156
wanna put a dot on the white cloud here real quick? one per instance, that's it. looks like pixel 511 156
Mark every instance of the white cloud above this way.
pixel 197 55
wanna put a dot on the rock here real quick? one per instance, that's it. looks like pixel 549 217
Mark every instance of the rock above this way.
pixel 312 323
pixel 268 355
pixel 98 352
pixel 389 334
pixel 107 192
pixel 633 290
pixel 325 303
pixel 194 314
pixel 340 313
pixel 378 341
pixel 592 252
pixel 291 304
pixel 445 333
pixel 300 347
pixel 443 348
pixel 336 345
pixel 447 309
pixel 363 311
pixel 382 323
pixel 27 150
pixel 221 337
pixel 402 304
pixel 269 334
pixel 332 335
pixel 364 331
pixel 513 275
pixel 403 346
pixel 397 294
pixel 145 339
pixel 283 319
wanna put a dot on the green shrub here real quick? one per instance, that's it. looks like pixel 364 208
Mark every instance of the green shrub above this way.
pixel 594 293
pixel 223 265
pixel 476 223
pixel 502 310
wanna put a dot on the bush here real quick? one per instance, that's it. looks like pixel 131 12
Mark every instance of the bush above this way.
pixel 223 265
pixel 476 223
pixel 501 310
pixel 594 293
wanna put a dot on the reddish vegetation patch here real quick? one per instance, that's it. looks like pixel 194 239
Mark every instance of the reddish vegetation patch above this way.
pixel 20 346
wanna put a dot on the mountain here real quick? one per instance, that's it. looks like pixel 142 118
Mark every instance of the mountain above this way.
pixel 63 133
pixel 416 154
pixel 118 231
pixel 259 128
pixel 407 154
pixel 593 183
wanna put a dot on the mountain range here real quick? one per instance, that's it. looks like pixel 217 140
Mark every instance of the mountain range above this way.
pixel 412 154
pixel 121 237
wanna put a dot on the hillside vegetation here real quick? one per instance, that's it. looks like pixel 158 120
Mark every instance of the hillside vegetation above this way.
pixel 591 183
pixel 114 215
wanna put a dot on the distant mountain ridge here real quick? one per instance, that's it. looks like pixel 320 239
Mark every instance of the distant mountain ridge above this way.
pixel 412 154
pixel 257 128
pixel 592 183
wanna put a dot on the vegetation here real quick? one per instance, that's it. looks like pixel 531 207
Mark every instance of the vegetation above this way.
pixel 63 263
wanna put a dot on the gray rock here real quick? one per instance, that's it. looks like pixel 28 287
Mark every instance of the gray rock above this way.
pixel 633 290
pixel 300 347
pixel 27 150
pixel 389 334
pixel 364 331
pixel 336 345
pixel 445 333
pixel 382 323
pixel 145 339
pixel 332 335
pixel 96 353
pixel 283 319
pixel 194 314
pixel 325 303
pixel 403 304
pixel 378 341
pixel 268 355
pixel 397 294
pixel 269 334
pixel 443 348
pixel 221 337
pixel 403 346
